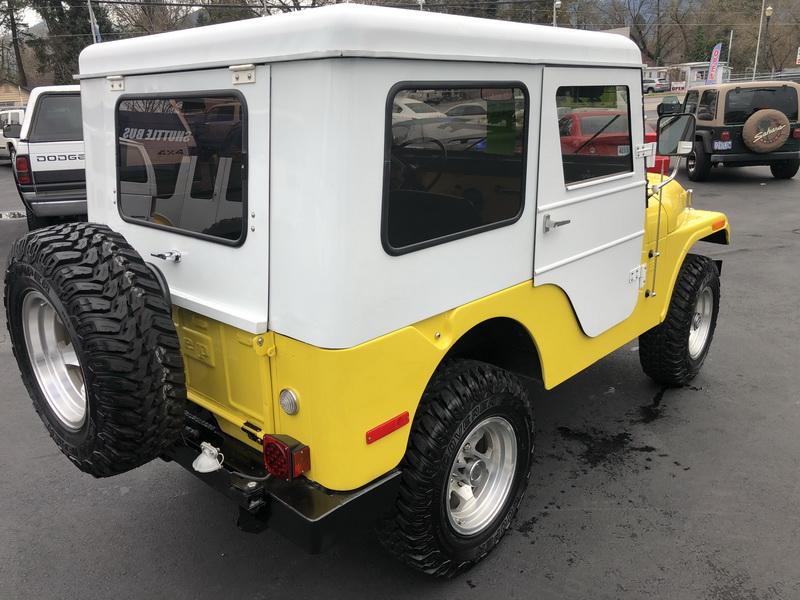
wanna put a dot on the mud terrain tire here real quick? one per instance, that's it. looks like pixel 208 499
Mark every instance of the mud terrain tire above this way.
pixel 107 308
pixel 461 395
pixel 666 352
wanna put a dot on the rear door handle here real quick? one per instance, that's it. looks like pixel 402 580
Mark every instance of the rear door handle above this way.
pixel 550 224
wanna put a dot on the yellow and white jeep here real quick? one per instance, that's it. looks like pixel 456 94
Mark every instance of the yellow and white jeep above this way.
pixel 325 253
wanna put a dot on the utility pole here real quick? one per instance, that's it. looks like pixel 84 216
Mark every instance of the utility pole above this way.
pixel 556 6
pixel 758 41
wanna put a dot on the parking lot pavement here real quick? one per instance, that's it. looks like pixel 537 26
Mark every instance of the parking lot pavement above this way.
pixel 636 491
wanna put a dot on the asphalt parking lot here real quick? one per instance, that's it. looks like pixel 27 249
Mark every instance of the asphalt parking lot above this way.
pixel 636 492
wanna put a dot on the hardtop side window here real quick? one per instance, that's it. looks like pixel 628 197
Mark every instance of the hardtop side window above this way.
pixel 58 119
pixel 690 103
pixel 740 103
pixel 455 166
pixel 595 133
pixel 181 163
pixel 707 109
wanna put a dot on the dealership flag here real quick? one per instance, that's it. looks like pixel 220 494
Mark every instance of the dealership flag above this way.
pixel 93 22
pixel 714 65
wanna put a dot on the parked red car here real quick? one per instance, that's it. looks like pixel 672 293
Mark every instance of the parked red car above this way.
pixel 579 135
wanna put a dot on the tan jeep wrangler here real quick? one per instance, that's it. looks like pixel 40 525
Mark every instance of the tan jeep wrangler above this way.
pixel 745 124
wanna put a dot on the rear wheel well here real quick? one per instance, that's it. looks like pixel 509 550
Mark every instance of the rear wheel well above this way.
pixel 502 342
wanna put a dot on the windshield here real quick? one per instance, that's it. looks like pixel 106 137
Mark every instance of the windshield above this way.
pixel 740 103
pixel 57 119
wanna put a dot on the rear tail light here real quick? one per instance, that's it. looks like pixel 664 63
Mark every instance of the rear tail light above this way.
pixel 285 457
pixel 23 168
pixel 796 133
pixel 725 135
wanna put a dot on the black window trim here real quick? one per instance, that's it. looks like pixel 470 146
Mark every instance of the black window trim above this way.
pixel 574 185
pixel 387 149
pixel 217 93
pixel 37 111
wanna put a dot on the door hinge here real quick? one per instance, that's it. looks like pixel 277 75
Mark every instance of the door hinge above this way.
pixel 638 275
pixel 242 74
pixel 264 344
pixel 116 83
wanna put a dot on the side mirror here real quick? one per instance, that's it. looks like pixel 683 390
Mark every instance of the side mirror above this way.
pixel 675 135
pixel 668 108
pixel 12 130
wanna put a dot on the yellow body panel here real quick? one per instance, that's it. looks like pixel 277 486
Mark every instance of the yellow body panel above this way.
pixel 344 393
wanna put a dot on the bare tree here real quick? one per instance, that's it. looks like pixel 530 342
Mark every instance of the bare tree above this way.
pixel 150 16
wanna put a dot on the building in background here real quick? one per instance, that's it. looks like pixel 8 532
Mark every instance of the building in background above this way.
pixel 695 73
pixel 12 95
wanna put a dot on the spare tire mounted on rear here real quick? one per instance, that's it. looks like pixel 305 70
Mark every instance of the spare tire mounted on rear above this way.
pixel 94 340
pixel 766 130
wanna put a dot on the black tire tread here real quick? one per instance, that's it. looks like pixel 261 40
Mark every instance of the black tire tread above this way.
pixel 453 390
pixel 129 342
pixel 663 350
pixel 785 169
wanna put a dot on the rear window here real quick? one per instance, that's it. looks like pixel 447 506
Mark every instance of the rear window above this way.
pixel 57 119
pixel 740 103
pixel 181 164
pixel 448 177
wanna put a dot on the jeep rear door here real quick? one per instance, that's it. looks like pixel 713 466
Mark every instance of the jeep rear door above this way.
pixel 191 192
pixel 591 202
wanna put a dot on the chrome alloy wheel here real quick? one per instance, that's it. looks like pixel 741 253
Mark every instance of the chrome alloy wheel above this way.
pixel 54 360
pixel 701 322
pixel 481 476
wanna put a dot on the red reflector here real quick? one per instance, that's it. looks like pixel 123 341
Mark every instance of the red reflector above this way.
pixel 725 135
pixel 285 457
pixel 23 168
pixel 796 133
pixel 384 429
pixel 718 224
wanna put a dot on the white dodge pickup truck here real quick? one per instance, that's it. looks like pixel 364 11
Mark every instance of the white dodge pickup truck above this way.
pixel 49 158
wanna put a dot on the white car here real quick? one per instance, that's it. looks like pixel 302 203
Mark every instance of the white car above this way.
pixel 409 108
pixel 11 116
pixel 472 112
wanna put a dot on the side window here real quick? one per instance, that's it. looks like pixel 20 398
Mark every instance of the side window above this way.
pixel 452 170
pixel 181 163
pixel 707 109
pixel 3 119
pixel 690 103
pixel 597 143
pixel 14 118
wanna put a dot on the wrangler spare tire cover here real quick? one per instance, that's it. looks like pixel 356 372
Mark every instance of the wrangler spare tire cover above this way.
pixel 766 130
pixel 93 336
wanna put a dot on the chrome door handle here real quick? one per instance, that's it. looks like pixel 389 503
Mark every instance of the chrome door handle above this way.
pixel 172 256
pixel 550 224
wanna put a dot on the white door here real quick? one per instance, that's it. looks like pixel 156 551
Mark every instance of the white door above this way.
pixel 591 192
pixel 192 151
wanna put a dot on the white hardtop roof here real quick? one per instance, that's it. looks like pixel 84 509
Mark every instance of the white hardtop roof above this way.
pixel 353 30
